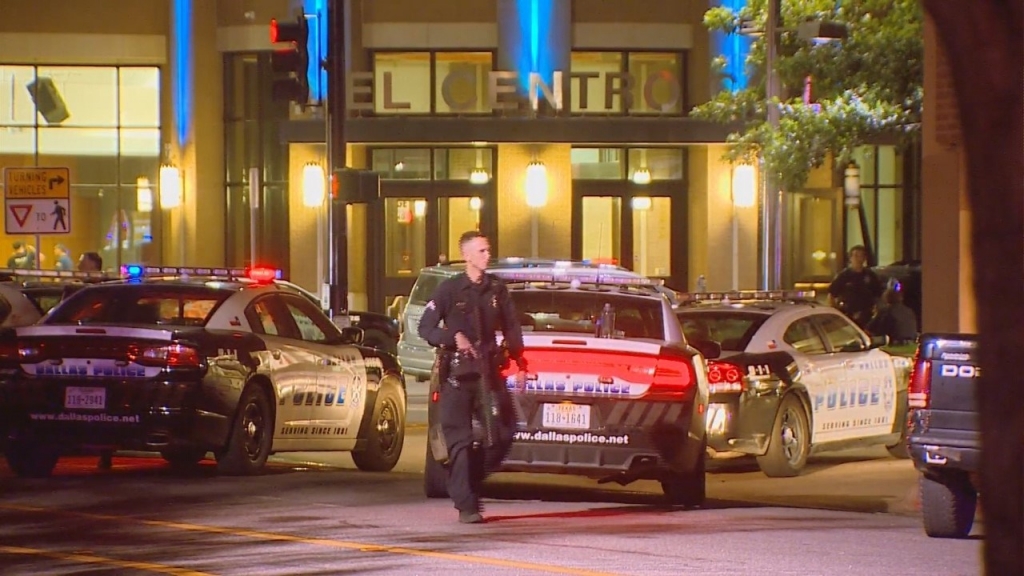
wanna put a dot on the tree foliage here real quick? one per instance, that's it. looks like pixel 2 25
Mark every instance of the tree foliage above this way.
pixel 867 85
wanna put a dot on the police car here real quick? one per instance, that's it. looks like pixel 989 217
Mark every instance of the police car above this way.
pixel 26 295
pixel 795 377
pixel 185 361
pixel 613 391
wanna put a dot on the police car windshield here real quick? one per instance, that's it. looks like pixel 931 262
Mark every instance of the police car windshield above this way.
pixel 140 304
pixel 577 311
pixel 733 330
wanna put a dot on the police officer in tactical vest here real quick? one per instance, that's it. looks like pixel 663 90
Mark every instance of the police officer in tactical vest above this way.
pixel 461 321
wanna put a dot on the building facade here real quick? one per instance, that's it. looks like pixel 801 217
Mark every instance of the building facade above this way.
pixel 559 128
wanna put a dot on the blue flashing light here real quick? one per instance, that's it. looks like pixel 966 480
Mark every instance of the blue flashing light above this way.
pixel 133 271
pixel 316 47
pixel 535 28
pixel 736 48
pixel 181 69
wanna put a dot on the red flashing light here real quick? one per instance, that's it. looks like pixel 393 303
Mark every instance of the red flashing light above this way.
pixel 263 274
pixel 273 30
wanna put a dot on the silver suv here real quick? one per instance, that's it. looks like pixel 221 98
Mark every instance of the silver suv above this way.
pixel 414 354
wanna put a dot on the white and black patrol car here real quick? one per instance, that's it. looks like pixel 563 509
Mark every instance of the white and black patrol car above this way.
pixel 795 377
pixel 613 390
pixel 186 361
pixel 26 295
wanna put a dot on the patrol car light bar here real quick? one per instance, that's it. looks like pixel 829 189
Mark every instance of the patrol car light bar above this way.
pixel 738 295
pixel 71 274
pixel 602 279
pixel 255 274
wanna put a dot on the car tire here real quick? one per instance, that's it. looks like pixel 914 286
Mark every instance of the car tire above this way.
pixel 379 341
pixel 435 477
pixel 184 457
pixel 790 441
pixel 252 435
pixel 30 459
pixel 948 505
pixel 689 490
pixel 386 434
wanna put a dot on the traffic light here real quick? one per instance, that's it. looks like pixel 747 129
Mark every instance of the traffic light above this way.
pixel 290 63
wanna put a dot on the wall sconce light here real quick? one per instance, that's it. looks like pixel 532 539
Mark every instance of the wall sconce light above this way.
pixel 744 186
pixel 479 176
pixel 143 195
pixel 475 203
pixel 642 176
pixel 399 166
pixel 641 203
pixel 419 208
pixel 536 185
pixel 170 187
pixel 314 185
pixel 851 185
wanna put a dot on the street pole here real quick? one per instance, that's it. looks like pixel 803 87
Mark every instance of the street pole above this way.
pixel 334 113
pixel 771 196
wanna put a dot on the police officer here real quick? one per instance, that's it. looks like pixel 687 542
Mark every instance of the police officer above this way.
pixel 856 289
pixel 472 307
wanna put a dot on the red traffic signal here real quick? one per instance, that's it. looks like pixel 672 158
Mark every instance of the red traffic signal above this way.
pixel 295 32
pixel 290 63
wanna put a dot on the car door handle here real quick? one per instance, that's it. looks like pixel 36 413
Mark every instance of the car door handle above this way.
pixel 276 354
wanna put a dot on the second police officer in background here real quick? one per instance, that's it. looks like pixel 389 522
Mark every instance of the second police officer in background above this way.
pixel 461 320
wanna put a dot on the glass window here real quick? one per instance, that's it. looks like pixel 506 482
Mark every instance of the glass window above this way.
pixel 889 237
pixel 405 236
pixel 140 304
pixel 804 337
pixel 16 106
pixel 597 164
pixel 77 96
pixel 424 288
pixel 262 319
pixel 402 163
pixel 313 325
pixel 662 163
pixel 652 235
pixel 457 215
pixel 591 95
pixel 733 330
pixel 841 334
pixel 460 82
pixel 602 228
pixel 657 83
pixel 401 83
pixel 140 97
pixel 459 163
pixel 553 311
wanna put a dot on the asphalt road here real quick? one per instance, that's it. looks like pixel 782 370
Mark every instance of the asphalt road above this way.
pixel 852 513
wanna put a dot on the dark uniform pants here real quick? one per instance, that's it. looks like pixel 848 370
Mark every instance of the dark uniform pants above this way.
pixel 468 465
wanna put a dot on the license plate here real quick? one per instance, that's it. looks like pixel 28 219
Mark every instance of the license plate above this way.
pixel 569 416
pixel 88 398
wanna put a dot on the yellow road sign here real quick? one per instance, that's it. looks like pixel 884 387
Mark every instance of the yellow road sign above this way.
pixel 37 182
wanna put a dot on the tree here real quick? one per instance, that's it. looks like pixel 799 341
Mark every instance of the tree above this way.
pixel 866 85
pixel 984 43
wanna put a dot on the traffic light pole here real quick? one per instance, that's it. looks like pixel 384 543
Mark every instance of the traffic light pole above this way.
pixel 334 113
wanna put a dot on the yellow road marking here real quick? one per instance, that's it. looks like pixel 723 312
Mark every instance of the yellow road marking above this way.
pixel 343 544
pixel 84 558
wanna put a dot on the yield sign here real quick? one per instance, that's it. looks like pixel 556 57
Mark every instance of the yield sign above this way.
pixel 21 212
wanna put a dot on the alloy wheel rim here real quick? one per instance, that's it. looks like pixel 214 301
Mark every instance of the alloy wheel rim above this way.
pixel 387 427
pixel 253 425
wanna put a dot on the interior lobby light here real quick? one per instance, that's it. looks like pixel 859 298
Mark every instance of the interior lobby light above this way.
pixel 479 176
pixel 744 186
pixel 170 187
pixel 536 185
pixel 143 195
pixel 419 208
pixel 475 203
pixel 641 203
pixel 642 176
pixel 314 185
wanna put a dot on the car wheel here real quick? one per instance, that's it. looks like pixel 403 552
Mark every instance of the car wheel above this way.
pixel 435 477
pixel 790 442
pixel 948 505
pixel 688 490
pixel 379 341
pixel 183 457
pixel 252 435
pixel 386 436
pixel 30 459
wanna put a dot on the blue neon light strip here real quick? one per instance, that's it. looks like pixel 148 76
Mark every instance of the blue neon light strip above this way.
pixel 181 70
pixel 735 47
pixel 316 75
pixel 535 26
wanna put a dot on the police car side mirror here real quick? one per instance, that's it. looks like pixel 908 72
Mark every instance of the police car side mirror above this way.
pixel 709 349
pixel 879 341
pixel 352 335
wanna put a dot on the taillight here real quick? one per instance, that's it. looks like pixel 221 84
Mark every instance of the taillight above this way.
pixel 673 377
pixel 9 351
pixel 724 377
pixel 171 355
pixel 919 388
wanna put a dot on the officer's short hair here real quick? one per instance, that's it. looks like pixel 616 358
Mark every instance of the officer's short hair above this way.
pixel 470 235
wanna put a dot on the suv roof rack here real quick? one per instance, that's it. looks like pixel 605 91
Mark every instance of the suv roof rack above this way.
pixel 522 262
pixel 794 296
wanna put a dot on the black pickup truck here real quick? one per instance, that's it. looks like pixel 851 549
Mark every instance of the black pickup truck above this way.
pixel 944 434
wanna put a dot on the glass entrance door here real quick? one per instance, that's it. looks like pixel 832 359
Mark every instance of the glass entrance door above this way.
pixel 814 231
pixel 456 215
